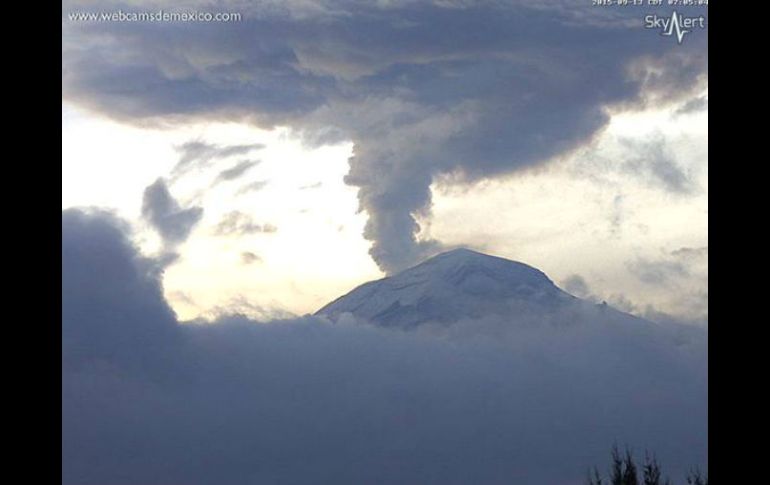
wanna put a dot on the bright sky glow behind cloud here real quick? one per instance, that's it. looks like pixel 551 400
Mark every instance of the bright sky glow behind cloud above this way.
pixel 317 250
pixel 593 213
pixel 587 215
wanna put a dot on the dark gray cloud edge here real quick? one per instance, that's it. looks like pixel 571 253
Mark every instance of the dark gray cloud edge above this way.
pixel 695 105
pixel 172 222
pixel 422 88
pixel 147 400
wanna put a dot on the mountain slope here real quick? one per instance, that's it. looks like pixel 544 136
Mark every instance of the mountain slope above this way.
pixel 464 284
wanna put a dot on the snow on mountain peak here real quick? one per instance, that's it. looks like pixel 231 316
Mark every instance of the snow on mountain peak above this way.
pixel 475 272
pixel 456 284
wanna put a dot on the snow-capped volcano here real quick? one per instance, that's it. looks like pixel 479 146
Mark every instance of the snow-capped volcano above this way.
pixel 461 284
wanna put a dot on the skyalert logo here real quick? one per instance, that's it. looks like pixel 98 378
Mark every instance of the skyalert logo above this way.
pixel 677 24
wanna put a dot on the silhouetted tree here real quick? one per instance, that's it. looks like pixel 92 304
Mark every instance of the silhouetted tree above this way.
pixel 695 478
pixel 594 478
pixel 616 472
pixel 623 471
pixel 629 470
pixel 651 471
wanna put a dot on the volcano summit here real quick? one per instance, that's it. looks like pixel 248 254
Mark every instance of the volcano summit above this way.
pixel 465 284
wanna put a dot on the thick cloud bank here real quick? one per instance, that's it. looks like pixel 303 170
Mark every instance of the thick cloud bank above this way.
pixel 424 89
pixel 147 400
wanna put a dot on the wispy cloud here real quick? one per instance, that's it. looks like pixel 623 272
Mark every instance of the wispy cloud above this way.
pixel 196 155
pixel 653 161
pixel 239 223
pixel 247 257
pixel 695 105
pixel 236 171
pixel 255 186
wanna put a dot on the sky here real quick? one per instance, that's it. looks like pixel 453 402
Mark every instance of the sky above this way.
pixel 263 257
pixel 222 180
pixel 634 201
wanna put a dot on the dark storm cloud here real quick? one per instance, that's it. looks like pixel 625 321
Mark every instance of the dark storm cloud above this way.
pixel 239 223
pixel 112 299
pixel 424 89
pixel 148 401
pixel 164 214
